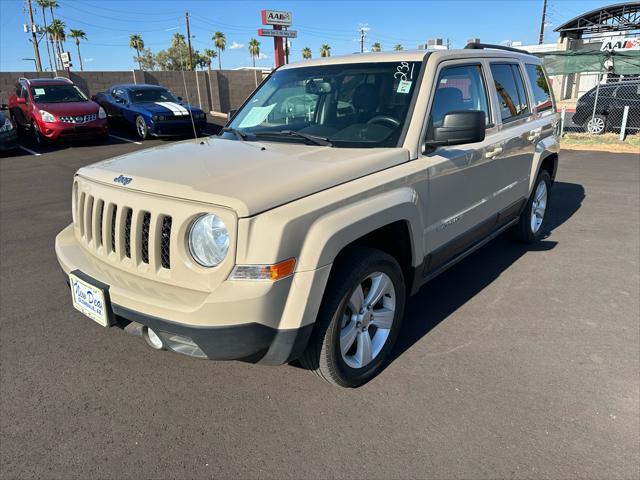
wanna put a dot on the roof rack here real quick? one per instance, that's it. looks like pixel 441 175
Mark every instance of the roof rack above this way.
pixel 482 46
pixel 68 80
pixel 25 79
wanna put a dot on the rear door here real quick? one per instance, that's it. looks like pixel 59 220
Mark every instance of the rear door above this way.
pixel 518 132
pixel 627 95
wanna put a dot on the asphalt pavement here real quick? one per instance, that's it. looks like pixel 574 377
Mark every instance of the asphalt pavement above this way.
pixel 516 363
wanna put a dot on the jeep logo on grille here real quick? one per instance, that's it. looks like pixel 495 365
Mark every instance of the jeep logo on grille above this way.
pixel 123 180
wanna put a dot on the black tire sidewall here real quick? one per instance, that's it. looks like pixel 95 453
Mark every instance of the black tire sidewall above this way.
pixel 345 283
pixel 146 129
pixel 525 220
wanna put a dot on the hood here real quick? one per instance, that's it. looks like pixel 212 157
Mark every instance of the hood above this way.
pixel 249 177
pixel 70 108
pixel 166 108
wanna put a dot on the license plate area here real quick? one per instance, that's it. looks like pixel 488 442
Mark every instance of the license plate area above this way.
pixel 91 297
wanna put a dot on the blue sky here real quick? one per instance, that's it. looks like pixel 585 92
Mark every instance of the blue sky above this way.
pixel 108 24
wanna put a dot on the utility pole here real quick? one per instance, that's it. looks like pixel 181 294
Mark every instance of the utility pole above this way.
pixel 189 41
pixel 34 40
pixel 363 33
pixel 544 15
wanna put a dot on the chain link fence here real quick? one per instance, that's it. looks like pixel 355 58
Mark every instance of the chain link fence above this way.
pixel 609 110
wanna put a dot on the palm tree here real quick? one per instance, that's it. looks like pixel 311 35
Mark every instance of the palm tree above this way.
pixel 325 50
pixel 78 35
pixel 210 54
pixel 177 40
pixel 376 47
pixel 398 47
pixel 306 53
pixel 254 50
pixel 44 4
pixel 219 41
pixel 136 42
pixel 56 30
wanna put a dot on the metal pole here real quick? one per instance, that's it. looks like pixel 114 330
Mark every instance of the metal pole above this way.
pixel 595 103
pixel 36 50
pixel 563 115
pixel 198 87
pixel 625 116
pixel 189 41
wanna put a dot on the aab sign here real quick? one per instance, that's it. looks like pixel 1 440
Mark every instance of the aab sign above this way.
pixel 273 17
pixel 622 44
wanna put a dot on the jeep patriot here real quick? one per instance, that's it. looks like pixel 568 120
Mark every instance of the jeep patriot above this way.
pixel 339 188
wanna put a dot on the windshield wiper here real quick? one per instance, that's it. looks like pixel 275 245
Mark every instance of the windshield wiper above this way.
pixel 241 135
pixel 292 133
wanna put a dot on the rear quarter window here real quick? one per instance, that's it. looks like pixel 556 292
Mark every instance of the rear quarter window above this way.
pixel 539 87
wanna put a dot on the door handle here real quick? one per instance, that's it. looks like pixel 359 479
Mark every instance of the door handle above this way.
pixel 496 151
pixel 534 134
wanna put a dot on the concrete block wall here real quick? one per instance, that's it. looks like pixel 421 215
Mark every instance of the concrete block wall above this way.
pixel 221 90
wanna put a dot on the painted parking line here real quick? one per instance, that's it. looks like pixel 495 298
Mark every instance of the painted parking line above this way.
pixel 124 139
pixel 28 150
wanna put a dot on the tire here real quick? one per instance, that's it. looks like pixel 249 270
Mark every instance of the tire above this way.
pixel 358 271
pixel 528 229
pixel 596 125
pixel 38 139
pixel 141 128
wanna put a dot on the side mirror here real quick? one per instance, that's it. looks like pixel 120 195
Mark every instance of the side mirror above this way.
pixel 231 113
pixel 120 100
pixel 21 100
pixel 459 128
pixel 179 99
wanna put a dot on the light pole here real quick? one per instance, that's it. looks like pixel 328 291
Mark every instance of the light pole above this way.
pixel 35 64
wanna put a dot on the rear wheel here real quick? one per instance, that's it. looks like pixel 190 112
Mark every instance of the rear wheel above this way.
pixel 359 319
pixel 531 226
pixel 596 125
pixel 141 128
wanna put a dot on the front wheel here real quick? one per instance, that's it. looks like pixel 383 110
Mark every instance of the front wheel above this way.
pixel 141 128
pixel 533 220
pixel 38 138
pixel 359 319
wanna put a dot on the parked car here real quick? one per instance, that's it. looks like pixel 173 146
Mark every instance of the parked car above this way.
pixel 8 136
pixel 298 233
pixel 53 109
pixel 612 98
pixel 151 110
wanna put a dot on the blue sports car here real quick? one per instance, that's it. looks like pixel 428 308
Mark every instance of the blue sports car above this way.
pixel 152 110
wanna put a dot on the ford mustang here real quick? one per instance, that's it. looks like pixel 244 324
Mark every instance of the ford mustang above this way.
pixel 152 110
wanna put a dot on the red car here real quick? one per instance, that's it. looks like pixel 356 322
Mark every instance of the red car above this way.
pixel 52 109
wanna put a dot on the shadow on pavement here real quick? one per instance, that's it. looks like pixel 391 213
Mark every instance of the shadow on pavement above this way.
pixel 448 292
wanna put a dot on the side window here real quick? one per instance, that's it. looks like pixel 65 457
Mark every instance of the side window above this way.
pixel 459 88
pixel 540 88
pixel 510 88
pixel 629 92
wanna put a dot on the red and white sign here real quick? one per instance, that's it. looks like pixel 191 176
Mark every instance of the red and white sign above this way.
pixel 620 44
pixel 265 32
pixel 273 17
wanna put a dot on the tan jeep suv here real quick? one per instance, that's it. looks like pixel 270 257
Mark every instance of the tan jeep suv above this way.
pixel 341 186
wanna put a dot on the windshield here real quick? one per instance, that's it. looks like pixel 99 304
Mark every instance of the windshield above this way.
pixel 152 95
pixel 57 94
pixel 354 105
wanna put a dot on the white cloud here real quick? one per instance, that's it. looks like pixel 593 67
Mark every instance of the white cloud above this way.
pixel 236 45
pixel 262 56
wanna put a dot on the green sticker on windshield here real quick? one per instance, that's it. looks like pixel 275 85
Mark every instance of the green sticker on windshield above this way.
pixel 404 86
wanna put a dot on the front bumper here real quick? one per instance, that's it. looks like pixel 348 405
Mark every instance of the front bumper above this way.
pixel 60 130
pixel 237 321
pixel 169 128
pixel 8 140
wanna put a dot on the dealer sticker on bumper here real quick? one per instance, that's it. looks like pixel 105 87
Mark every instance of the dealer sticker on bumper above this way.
pixel 89 300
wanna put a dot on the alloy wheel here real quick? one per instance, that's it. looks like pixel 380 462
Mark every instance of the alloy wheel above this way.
pixel 595 125
pixel 367 320
pixel 538 207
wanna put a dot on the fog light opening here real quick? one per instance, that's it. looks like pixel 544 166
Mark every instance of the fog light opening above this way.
pixel 153 339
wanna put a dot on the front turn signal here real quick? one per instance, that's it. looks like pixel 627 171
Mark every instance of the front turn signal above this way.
pixel 272 273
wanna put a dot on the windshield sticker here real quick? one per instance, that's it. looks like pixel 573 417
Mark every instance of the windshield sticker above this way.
pixel 404 71
pixel 256 116
pixel 39 91
pixel 404 86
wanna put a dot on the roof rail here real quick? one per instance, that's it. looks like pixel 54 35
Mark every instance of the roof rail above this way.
pixel 68 80
pixel 25 79
pixel 482 46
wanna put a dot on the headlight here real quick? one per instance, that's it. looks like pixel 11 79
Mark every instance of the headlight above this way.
pixel 199 115
pixel 208 240
pixel 6 126
pixel 102 113
pixel 46 116
pixel 156 118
